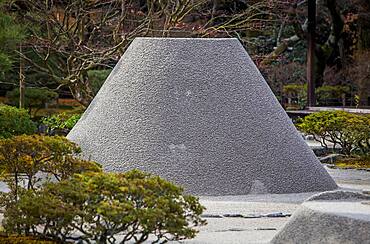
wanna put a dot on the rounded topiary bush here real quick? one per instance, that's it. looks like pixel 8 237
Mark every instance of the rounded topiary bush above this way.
pixel 351 132
pixel 55 195
pixel 98 207
pixel 14 121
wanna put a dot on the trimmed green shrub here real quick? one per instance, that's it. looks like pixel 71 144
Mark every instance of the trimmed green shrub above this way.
pixel 350 131
pixel 60 121
pixel 14 121
pixel 102 206
pixel 24 157
pixel 27 162
pixel 326 93
pixel 80 203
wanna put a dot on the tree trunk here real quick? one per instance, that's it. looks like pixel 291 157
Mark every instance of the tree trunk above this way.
pixel 323 52
pixel 21 79
pixel 311 44
pixel 81 91
pixel 214 8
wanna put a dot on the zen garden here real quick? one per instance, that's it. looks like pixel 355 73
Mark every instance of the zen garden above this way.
pixel 185 121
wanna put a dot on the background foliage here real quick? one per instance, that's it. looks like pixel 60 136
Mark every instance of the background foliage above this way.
pixel 60 121
pixel 350 131
pixel 11 34
pixel 69 46
pixel 14 121
pixel 35 98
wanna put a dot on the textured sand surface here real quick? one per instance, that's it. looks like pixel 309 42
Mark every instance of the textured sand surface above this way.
pixel 199 113
pixel 330 217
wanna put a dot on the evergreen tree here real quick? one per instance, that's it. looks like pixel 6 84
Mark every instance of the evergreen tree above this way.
pixel 11 34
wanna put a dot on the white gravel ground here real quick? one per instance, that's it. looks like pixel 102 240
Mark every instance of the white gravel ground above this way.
pixel 262 230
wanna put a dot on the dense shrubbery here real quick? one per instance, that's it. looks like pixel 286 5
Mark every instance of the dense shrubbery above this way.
pixel 97 78
pixel 24 159
pixel 35 98
pixel 60 121
pixel 14 121
pixel 55 195
pixel 350 131
pixel 356 162
pixel 296 92
pixel 100 206
pixel 325 94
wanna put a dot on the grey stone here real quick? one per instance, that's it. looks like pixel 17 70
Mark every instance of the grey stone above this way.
pixel 247 216
pixel 199 113
pixel 233 215
pixel 265 228
pixel 335 217
pixel 252 216
pixel 309 137
pixel 277 215
pixel 211 216
pixel 236 229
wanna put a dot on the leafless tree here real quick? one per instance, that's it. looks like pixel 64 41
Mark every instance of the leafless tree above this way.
pixel 77 36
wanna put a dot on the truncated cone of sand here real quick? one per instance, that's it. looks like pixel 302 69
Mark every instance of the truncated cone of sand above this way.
pixel 197 112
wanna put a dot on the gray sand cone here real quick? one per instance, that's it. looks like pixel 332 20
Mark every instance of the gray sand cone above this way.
pixel 197 112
